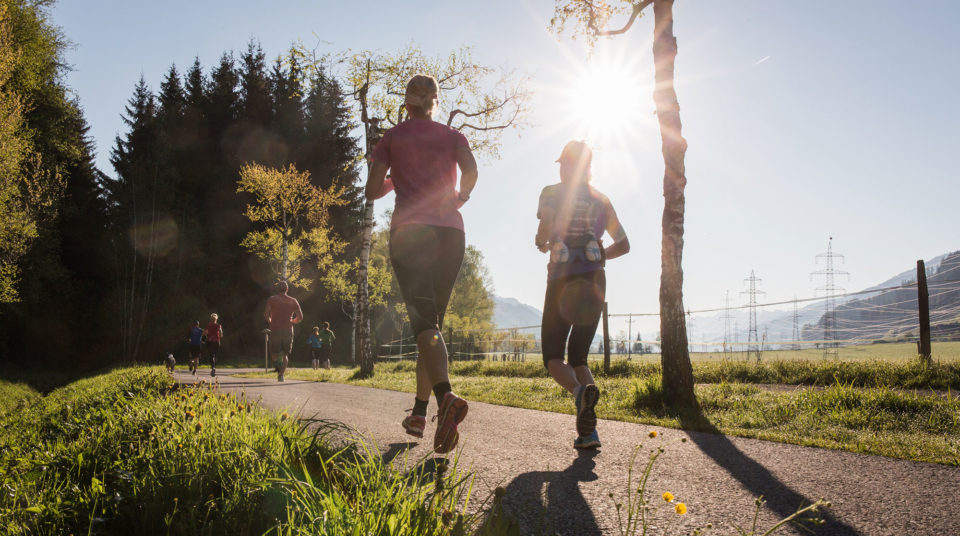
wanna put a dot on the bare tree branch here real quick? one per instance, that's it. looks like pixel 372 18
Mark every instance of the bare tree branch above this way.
pixel 592 20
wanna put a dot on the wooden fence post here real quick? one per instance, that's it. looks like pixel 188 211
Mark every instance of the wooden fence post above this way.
pixel 923 304
pixel 606 341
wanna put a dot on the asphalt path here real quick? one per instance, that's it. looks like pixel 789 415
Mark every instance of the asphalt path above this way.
pixel 553 489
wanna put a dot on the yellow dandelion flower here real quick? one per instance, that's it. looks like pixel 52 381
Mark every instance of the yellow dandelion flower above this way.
pixel 680 508
pixel 653 433
pixel 284 417
pixel 199 426
pixel 667 496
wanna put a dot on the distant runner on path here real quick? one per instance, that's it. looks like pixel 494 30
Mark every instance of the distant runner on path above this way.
pixel 214 333
pixel 326 337
pixel 426 241
pixel 573 216
pixel 282 312
pixel 195 344
pixel 315 344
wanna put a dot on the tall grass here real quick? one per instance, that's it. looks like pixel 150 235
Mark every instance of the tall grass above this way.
pixel 129 453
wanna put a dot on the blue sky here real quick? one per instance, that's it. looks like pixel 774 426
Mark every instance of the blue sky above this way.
pixel 804 120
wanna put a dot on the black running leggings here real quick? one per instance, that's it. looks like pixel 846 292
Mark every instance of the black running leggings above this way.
pixel 426 260
pixel 572 307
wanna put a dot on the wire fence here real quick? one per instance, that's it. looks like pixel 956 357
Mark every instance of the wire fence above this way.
pixel 879 315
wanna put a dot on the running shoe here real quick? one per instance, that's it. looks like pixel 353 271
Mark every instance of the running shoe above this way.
pixel 213 372
pixel 586 416
pixel 452 411
pixel 589 441
pixel 414 424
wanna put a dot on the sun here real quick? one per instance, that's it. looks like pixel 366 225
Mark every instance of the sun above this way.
pixel 609 99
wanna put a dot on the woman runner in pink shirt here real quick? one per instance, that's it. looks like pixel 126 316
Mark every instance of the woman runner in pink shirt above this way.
pixel 426 241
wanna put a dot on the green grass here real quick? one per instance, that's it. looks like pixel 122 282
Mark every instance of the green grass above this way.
pixel 859 407
pixel 15 396
pixel 129 453
pixel 943 352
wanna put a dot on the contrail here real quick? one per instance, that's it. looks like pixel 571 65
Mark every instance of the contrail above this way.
pixel 761 60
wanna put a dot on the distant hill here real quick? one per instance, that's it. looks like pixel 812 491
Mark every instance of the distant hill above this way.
pixel 893 314
pixel 510 313
pixel 894 322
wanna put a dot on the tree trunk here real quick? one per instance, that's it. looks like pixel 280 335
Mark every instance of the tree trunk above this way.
pixel 362 351
pixel 675 357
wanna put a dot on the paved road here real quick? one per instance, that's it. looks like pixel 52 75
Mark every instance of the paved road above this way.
pixel 553 489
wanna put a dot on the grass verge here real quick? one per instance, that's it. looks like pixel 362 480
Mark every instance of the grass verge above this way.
pixel 839 414
pixel 129 453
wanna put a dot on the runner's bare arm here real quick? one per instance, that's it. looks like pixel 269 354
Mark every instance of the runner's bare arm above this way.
pixel 545 229
pixel 298 314
pixel 468 171
pixel 621 245
pixel 378 185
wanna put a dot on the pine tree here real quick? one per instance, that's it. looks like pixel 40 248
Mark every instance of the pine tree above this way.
pixel 331 152
pixel 255 98
pixel 288 120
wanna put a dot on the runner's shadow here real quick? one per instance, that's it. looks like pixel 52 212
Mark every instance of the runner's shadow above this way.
pixel 394 450
pixel 547 502
pixel 755 477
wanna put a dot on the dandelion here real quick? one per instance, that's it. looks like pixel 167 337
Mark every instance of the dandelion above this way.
pixel 680 508
pixel 199 427
pixel 653 433
pixel 667 496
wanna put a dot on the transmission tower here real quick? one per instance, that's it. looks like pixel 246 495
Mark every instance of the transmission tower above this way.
pixel 796 325
pixel 727 317
pixel 830 290
pixel 752 333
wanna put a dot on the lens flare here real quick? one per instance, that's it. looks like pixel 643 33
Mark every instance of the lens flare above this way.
pixel 156 236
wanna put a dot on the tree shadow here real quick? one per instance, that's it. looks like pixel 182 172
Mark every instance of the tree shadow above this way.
pixel 756 478
pixel 545 502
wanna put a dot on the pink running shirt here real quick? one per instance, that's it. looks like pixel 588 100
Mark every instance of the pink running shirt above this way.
pixel 422 157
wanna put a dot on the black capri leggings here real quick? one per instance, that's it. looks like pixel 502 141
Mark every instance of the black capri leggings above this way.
pixel 572 307
pixel 426 260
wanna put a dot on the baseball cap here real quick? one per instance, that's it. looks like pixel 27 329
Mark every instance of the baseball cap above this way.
pixel 577 151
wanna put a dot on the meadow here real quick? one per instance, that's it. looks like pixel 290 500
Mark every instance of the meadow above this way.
pixel 890 405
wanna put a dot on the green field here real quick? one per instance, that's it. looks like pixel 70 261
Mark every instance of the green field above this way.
pixel 944 352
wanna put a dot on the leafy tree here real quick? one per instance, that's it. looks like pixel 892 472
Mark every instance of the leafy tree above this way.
pixel 470 102
pixel 590 18
pixel 58 190
pixel 17 227
pixel 293 217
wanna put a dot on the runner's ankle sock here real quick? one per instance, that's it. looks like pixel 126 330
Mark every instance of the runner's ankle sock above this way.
pixel 441 389
pixel 419 407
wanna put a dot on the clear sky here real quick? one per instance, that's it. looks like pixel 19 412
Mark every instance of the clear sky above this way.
pixel 805 120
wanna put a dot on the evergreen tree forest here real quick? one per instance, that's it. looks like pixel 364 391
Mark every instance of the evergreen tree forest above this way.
pixel 175 212
pixel 106 267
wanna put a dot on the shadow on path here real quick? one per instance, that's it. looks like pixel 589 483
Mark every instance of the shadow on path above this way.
pixel 755 477
pixel 395 449
pixel 547 502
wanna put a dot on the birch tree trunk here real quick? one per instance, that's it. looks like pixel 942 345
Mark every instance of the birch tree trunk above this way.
pixel 675 357
pixel 363 354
